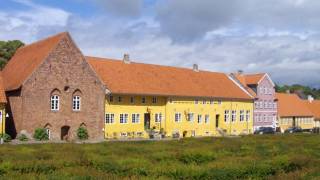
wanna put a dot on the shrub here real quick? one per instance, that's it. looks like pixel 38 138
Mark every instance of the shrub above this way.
pixel 6 137
pixel 23 137
pixel 40 134
pixel 82 133
pixel 196 158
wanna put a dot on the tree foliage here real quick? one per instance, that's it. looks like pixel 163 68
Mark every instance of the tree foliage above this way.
pixel 7 50
pixel 302 91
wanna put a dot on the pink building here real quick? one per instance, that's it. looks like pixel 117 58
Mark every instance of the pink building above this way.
pixel 265 104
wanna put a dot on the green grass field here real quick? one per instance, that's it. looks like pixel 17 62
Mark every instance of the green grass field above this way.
pixel 250 157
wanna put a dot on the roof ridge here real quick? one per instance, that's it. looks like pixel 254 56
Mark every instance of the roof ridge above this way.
pixel 140 63
pixel 45 39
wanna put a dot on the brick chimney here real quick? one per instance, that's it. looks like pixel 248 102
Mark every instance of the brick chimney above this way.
pixel 126 58
pixel 195 68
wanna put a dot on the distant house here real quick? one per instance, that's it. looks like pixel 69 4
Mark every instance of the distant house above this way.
pixel 261 87
pixel 314 107
pixel 292 112
pixel 3 102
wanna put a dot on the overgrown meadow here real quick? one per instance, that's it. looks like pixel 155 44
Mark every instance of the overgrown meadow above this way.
pixel 249 157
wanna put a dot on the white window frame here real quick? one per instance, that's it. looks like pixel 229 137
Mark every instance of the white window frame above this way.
pixel 135 118
pixel 226 115
pixel 123 118
pixel 76 103
pixel 177 117
pixel 55 102
pixel 109 118
pixel 248 115
pixel 233 116
pixel 206 118
pixel 154 100
pixel 158 117
pixel 196 101
pixel 241 115
pixel 199 118
pixel 191 117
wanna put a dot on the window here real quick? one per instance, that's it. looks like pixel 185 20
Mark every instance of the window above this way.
pixel 211 101
pixel 206 118
pixel 143 100
pixel 119 99
pixel 219 102
pixel 123 118
pixel 226 115
pixel 54 103
pixel 190 116
pixel 265 118
pixel 131 100
pixel 233 115
pixel 248 115
pixel 261 90
pixel 48 133
pixel 111 98
pixel 135 118
pixel 109 118
pixel 76 103
pixel 196 101
pixel 154 100
pixel 199 118
pixel 204 102
pixel 177 117
pixel 158 117
pixel 241 115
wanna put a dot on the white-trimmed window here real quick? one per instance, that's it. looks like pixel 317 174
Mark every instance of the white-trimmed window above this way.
pixel 55 103
pixel 123 118
pixel 76 103
pixel 135 118
pixel 177 117
pixel 206 118
pixel 154 100
pixel 233 115
pixel 109 118
pixel 143 100
pixel 226 115
pixel 199 118
pixel 158 117
pixel 241 115
pixel 211 102
pixel 204 102
pixel 196 101
pixel 248 115
pixel 219 102
pixel 131 99
pixel 265 118
pixel 190 116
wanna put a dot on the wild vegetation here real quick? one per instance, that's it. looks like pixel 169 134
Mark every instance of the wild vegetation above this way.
pixel 7 50
pixel 302 91
pixel 250 157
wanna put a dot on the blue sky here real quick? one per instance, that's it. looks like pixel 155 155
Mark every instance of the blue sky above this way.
pixel 278 37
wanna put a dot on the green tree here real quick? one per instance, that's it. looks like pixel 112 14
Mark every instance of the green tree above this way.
pixel 7 50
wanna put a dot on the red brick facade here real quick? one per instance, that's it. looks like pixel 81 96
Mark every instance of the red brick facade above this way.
pixel 66 73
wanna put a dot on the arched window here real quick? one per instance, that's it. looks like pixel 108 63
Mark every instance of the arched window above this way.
pixel 55 103
pixel 76 103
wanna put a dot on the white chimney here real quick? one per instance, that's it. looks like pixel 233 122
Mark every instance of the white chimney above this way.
pixel 195 68
pixel 126 58
pixel 310 98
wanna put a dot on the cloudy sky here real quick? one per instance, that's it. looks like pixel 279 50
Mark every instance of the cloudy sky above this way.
pixel 281 37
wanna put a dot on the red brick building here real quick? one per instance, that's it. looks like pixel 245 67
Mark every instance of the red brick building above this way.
pixel 49 84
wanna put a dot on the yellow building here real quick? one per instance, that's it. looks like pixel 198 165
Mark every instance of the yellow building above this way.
pixel 144 100
pixel 292 112
pixel 3 102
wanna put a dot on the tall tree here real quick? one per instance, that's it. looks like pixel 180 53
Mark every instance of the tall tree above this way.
pixel 7 50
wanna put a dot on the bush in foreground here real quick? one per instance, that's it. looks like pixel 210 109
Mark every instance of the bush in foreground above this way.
pixel 40 134
pixel 82 133
pixel 23 137
pixel 6 137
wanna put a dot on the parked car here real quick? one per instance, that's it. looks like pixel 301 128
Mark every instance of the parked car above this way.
pixel 293 130
pixel 265 130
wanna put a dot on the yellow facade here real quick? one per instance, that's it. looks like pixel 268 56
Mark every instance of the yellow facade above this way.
pixel 2 118
pixel 303 122
pixel 179 115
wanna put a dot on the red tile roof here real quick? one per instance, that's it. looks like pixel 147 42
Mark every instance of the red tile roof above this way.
pixel 249 79
pixel 290 105
pixel 26 60
pixel 3 98
pixel 314 107
pixel 138 78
